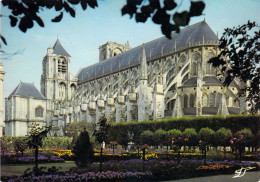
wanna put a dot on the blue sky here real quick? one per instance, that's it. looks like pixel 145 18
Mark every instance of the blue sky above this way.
pixel 81 36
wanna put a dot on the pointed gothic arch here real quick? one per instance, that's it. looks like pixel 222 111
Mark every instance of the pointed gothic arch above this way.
pixel 39 111
pixel 212 98
pixel 192 100
pixel 185 101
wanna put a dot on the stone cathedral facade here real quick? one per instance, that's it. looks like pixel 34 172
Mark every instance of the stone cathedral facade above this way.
pixel 161 78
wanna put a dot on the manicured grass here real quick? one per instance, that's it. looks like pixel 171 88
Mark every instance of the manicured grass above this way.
pixel 18 169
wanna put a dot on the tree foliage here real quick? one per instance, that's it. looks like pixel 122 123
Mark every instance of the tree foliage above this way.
pixel 223 136
pixel 20 144
pixel 77 126
pixel 240 46
pixel 161 137
pixel 102 132
pixel 36 134
pixel 83 150
pixel 147 137
pixel 207 135
pixel 191 135
pixel 165 14
pixel 25 13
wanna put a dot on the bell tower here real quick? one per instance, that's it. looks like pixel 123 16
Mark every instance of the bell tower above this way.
pixel 111 49
pixel 56 81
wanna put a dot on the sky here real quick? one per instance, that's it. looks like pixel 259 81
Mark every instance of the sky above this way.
pixel 81 36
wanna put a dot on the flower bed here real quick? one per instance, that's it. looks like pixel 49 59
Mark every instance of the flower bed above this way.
pixel 89 176
pixel 29 159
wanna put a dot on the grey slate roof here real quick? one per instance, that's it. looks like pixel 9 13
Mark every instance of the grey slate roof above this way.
pixel 58 49
pixel 191 34
pixel 27 90
pixel 207 80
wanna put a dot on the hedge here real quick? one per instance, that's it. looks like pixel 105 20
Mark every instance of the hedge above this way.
pixel 234 123
pixel 7 142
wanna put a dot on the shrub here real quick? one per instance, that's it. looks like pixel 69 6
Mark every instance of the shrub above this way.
pixel 207 135
pixel 219 156
pixel 147 137
pixel 223 136
pixel 20 144
pixel 83 150
pixel 160 137
pixel 191 135
pixel 56 142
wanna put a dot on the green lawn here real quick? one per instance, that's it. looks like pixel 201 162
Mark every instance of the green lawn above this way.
pixel 18 169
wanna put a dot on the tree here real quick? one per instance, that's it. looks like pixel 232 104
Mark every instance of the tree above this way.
pixel 147 137
pixel 206 135
pixel 239 59
pixel 36 134
pixel 24 13
pixel 191 135
pixel 160 137
pixel 76 127
pixel 102 132
pixel 164 16
pixel 83 150
pixel 222 137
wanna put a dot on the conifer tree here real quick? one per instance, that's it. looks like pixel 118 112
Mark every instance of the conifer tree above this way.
pixel 83 150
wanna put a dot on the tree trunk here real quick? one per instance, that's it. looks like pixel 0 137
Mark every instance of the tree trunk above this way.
pixel 36 160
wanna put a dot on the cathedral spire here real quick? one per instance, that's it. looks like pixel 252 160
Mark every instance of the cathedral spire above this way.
pixel 143 74
pixel 58 49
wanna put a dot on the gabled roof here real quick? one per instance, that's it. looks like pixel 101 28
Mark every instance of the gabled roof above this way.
pixel 27 90
pixel 58 49
pixel 191 34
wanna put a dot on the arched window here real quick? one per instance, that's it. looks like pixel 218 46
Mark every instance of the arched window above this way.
pixel 62 65
pixel 209 69
pixel 62 91
pixel 191 100
pixel 185 101
pixel 170 105
pixel 194 69
pixel 212 100
pixel 39 112
pixel 218 99
pixel 73 89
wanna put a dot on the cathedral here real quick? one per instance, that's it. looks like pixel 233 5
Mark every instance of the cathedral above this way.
pixel 158 79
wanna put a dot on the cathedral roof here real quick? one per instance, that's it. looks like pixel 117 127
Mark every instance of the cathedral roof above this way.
pixel 27 90
pixel 154 49
pixel 58 49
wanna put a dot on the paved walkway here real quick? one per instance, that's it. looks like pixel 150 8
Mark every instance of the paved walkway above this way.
pixel 248 177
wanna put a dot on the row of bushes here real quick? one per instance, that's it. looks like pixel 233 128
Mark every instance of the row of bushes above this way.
pixel 222 137
pixel 19 144
pixel 120 131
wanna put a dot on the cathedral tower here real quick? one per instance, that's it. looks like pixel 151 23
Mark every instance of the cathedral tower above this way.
pixel 56 82
pixel 111 49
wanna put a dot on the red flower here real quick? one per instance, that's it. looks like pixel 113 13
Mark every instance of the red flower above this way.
pixel 179 138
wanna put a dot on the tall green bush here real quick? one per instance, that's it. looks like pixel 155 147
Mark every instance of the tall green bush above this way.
pixel 191 135
pixel 207 135
pixel 223 137
pixel 83 150
pixel 147 137
pixel 160 137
